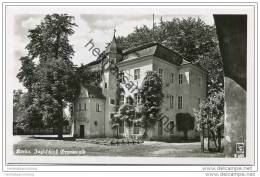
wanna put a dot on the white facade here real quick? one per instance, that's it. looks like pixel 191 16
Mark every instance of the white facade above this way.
pixel 191 89
pixel 184 87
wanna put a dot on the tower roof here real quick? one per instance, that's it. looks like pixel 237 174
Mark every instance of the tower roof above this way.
pixel 113 46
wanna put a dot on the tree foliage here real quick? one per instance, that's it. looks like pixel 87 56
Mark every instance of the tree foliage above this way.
pixel 127 114
pixel 151 99
pixel 84 75
pixel 47 71
pixel 210 115
pixel 184 123
pixel 23 107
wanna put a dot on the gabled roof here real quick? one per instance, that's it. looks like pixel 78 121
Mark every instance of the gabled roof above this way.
pixel 94 65
pixel 148 49
pixel 155 49
pixel 94 91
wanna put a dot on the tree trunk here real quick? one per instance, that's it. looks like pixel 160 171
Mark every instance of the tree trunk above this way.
pixel 145 135
pixel 208 137
pixel 214 139
pixel 60 130
pixel 219 139
pixel 60 122
pixel 202 139
pixel 117 131
pixel 185 134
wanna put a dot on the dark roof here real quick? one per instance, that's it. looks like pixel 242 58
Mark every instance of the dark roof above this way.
pixel 94 62
pixel 155 49
pixel 94 91
pixel 94 65
pixel 113 47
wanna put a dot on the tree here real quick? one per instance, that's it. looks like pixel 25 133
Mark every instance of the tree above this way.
pixel 84 75
pixel 151 99
pixel 54 80
pixel 18 107
pixel 184 123
pixel 26 113
pixel 17 99
pixel 126 114
pixel 210 115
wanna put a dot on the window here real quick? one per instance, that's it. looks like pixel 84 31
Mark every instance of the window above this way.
pixel 136 98
pixel 200 81
pixel 171 127
pixel 85 106
pixel 122 97
pixel 199 101
pixel 95 123
pixel 105 85
pixel 136 74
pixel 171 101
pixel 79 107
pixel 160 72
pixel 121 127
pixel 129 100
pixel 180 78
pixel 172 77
pixel 98 107
pixel 136 129
pixel 112 116
pixel 112 61
pixel 112 101
pixel 180 102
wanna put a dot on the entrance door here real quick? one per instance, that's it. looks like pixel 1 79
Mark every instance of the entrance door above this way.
pixel 81 130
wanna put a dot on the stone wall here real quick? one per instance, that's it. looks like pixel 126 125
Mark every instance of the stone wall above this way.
pixel 232 34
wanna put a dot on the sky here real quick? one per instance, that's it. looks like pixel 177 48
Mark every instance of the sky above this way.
pixel 98 27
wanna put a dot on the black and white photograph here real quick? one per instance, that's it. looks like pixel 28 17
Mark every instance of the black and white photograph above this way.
pixel 130 84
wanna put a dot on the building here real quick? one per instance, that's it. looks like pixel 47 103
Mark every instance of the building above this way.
pixel 184 87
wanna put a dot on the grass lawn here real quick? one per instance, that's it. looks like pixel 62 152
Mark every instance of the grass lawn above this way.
pixel 51 146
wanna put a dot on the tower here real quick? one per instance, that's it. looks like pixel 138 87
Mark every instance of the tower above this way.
pixel 109 84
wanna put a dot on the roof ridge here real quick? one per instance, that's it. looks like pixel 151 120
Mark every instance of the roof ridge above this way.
pixel 140 46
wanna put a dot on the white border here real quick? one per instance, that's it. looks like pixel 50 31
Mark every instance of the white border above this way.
pixel 251 54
